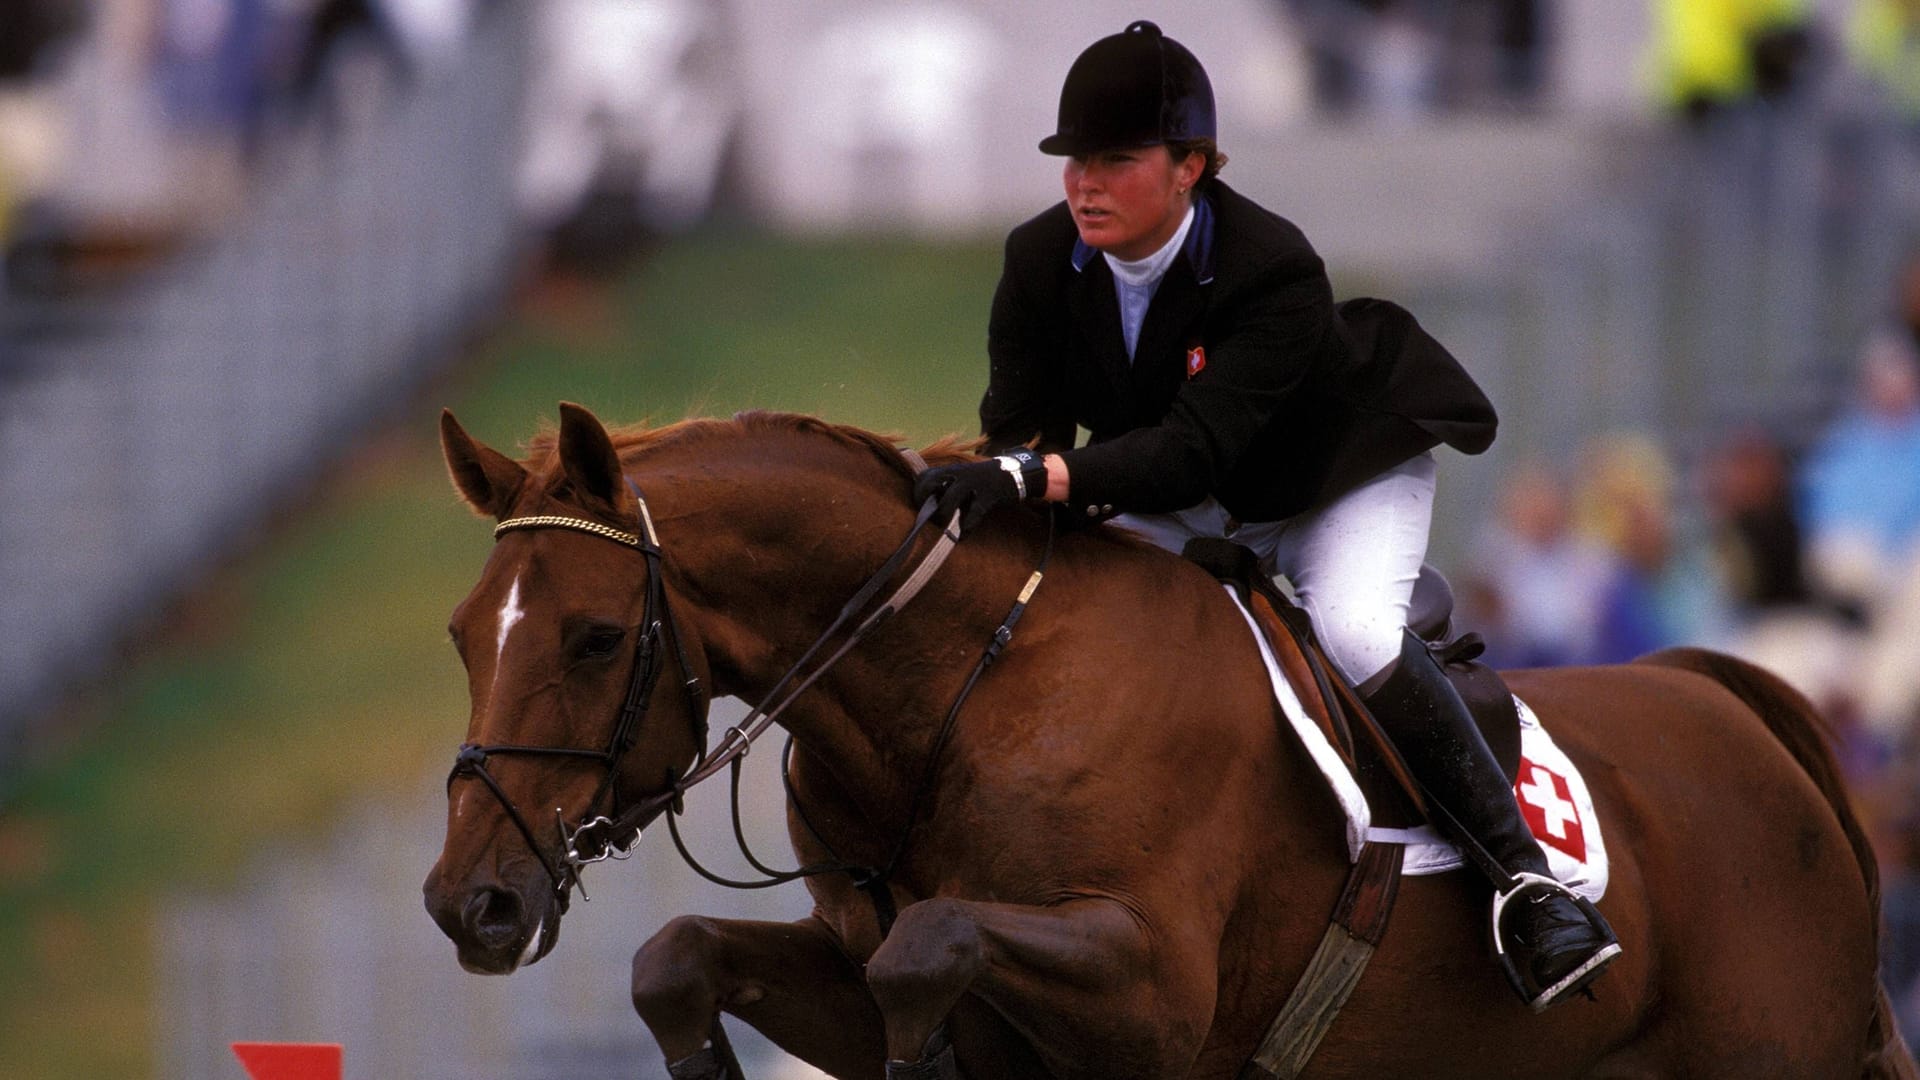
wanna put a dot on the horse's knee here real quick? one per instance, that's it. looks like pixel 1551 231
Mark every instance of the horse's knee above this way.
pixel 934 945
pixel 675 977
pixel 928 960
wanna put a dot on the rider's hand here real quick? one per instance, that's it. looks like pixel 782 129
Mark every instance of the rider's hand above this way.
pixel 975 488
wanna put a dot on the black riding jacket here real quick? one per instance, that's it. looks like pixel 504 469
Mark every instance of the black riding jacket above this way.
pixel 1248 382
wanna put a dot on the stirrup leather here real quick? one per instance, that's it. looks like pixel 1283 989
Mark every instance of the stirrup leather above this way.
pixel 1539 998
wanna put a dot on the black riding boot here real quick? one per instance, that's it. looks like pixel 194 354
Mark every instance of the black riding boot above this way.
pixel 1557 943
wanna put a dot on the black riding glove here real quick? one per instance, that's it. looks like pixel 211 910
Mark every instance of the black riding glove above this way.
pixel 977 487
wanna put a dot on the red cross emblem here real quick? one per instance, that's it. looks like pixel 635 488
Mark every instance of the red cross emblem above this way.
pixel 1546 802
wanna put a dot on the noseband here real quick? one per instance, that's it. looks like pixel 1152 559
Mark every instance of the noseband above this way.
pixel 586 841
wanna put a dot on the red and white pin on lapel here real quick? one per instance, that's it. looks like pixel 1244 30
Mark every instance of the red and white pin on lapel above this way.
pixel 1196 360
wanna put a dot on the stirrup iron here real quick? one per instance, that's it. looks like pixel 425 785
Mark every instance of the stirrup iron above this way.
pixel 1539 998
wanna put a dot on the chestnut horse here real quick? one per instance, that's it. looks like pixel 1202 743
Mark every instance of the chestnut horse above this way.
pixel 1122 861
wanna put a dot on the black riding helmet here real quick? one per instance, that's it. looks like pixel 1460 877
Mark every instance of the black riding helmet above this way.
pixel 1135 88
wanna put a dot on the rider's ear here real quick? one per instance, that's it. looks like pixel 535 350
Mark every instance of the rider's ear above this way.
pixel 488 479
pixel 588 456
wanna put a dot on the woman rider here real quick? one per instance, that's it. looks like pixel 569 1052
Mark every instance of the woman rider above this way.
pixel 1194 334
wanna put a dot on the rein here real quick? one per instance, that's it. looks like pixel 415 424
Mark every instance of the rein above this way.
pixel 871 880
pixel 598 837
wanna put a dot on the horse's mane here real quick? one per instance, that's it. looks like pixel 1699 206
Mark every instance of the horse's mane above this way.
pixel 633 440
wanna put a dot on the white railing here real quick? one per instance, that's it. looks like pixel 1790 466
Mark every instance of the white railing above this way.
pixel 142 434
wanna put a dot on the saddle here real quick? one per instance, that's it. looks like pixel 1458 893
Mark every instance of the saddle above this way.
pixel 1334 704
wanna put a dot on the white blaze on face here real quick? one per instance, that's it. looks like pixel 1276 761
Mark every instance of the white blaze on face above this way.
pixel 510 612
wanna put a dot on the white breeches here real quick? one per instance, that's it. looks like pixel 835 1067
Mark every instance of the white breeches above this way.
pixel 1352 562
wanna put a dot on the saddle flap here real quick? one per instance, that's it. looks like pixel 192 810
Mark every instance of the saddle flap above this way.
pixel 1290 635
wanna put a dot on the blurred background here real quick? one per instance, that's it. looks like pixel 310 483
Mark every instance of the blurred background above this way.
pixel 248 248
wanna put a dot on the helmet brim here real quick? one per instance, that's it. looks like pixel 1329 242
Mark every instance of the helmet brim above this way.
pixel 1060 145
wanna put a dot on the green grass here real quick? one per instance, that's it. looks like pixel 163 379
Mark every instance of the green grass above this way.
pixel 314 672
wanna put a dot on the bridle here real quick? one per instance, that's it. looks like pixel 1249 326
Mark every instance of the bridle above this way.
pixel 656 619
pixel 597 837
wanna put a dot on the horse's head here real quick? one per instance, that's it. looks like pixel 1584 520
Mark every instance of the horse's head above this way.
pixel 582 698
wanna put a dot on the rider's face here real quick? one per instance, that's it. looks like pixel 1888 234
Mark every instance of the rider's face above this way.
pixel 1128 202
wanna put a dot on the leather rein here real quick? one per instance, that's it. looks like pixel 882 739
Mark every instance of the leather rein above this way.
pixel 596 836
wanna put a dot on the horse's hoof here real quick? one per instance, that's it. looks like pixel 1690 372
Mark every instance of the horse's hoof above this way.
pixel 937 1065
pixel 702 1064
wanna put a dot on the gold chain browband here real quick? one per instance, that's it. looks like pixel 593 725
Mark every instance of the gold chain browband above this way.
pixel 549 521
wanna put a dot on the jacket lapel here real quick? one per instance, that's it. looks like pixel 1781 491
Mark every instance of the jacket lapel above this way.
pixel 1172 323
pixel 1096 311
pixel 1177 305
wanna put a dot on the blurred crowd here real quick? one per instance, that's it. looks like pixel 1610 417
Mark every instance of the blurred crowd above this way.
pixel 128 126
pixel 1407 56
pixel 1703 56
pixel 1803 557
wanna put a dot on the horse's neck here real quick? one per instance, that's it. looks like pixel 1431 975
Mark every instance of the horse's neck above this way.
pixel 776 562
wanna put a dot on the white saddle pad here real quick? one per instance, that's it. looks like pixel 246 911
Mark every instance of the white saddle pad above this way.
pixel 1553 796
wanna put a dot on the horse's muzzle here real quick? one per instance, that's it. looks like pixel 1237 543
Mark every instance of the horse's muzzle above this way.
pixel 496 928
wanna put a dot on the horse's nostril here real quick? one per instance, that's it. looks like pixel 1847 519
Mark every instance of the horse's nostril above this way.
pixel 493 917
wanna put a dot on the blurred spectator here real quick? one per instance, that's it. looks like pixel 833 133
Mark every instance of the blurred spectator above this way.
pixel 1712 54
pixel 1886 694
pixel 1662 591
pixel 1492 51
pixel 1780 622
pixel 1334 34
pixel 27 27
pixel 1520 43
pixel 1860 485
pixel 1412 56
pixel 1535 588
pixel 1889 811
pixel 631 113
pixel 1883 41
pixel 1756 529
pixel 337 31
pixel 215 66
pixel 29 126
pixel 1909 300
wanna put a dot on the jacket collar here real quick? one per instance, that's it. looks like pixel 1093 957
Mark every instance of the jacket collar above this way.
pixel 1198 250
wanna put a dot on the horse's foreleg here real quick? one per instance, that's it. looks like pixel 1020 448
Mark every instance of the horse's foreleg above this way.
pixel 789 980
pixel 1085 982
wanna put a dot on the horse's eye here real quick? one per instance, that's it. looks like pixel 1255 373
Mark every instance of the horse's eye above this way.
pixel 601 643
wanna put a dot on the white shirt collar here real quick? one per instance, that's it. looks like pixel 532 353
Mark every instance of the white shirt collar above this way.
pixel 1150 270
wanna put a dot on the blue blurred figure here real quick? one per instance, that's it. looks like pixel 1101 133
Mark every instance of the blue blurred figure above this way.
pixel 1860 482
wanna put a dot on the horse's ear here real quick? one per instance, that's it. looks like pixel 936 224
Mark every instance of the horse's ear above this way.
pixel 488 479
pixel 591 463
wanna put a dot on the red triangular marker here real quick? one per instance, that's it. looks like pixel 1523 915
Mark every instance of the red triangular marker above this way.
pixel 289 1061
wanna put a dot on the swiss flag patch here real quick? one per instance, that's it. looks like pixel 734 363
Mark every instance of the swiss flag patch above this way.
pixel 1547 804
pixel 1196 360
